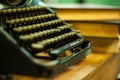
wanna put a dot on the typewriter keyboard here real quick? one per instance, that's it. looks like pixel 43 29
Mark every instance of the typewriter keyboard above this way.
pixel 39 30
pixel 36 42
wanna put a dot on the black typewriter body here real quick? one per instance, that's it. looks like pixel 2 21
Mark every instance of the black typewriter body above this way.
pixel 35 42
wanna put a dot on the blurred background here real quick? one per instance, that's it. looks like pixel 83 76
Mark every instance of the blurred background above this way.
pixel 102 2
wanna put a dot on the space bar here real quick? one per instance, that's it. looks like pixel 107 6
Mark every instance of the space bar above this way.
pixel 62 49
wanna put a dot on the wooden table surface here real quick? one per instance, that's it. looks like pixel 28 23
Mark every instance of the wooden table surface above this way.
pixel 94 66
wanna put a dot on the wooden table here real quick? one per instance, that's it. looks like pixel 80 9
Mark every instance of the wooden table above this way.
pixel 101 64
pixel 96 66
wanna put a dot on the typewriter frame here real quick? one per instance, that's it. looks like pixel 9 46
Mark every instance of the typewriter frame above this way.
pixel 16 59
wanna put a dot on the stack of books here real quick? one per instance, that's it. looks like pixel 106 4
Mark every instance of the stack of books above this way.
pixel 98 23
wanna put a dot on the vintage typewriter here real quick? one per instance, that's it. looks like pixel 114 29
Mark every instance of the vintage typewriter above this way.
pixel 35 42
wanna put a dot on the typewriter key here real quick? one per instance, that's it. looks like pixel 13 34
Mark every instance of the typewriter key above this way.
pixel 28 13
pixel 37 46
pixel 23 37
pixel 17 29
pixel 10 22
pixel 23 12
pixel 56 39
pixel 27 28
pixel 10 16
pixel 4 15
pixel 41 10
pixel 1 17
pixel 19 13
pixel 14 14
pixel 77 31
pixel 36 11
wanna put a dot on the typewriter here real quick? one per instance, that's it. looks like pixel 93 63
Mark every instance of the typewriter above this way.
pixel 34 41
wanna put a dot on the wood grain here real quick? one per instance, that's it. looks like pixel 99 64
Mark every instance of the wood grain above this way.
pixel 95 66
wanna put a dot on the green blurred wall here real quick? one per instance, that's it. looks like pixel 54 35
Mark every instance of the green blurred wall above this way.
pixel 105 2
pixel 67 1
pixel 60 1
